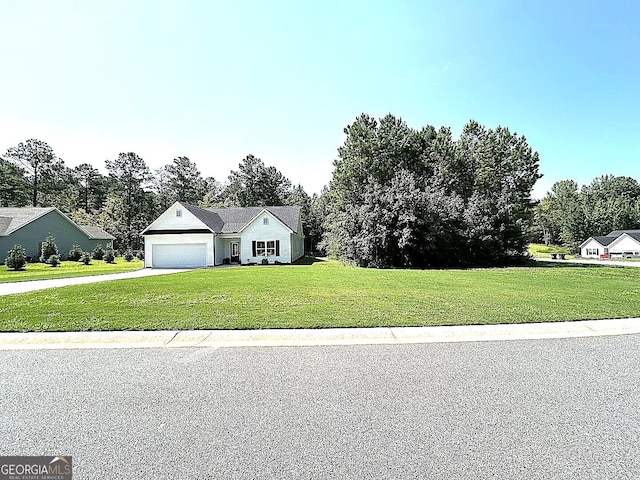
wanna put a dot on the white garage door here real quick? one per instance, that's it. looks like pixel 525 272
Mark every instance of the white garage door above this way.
pixel 186 255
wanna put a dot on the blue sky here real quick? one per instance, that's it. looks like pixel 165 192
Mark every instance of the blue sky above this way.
pixel 216 81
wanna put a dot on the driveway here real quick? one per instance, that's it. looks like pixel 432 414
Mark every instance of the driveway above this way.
pixel 592 261
pixel 29 286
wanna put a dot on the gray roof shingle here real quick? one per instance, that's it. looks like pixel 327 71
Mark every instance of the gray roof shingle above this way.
pixel 604 241
pixel 96 232
pixel 12 218
pixel 234 219
pixel 617 233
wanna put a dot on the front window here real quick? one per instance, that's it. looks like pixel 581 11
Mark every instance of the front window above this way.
pixel 266 248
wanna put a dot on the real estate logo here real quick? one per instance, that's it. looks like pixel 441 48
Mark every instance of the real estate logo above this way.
pixel 35 468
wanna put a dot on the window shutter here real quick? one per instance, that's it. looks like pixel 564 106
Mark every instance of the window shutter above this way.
pixel 277 248
pixel 253 244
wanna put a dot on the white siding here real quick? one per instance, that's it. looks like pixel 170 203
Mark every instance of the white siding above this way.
pixel 258 231
pixel 170 221
pixel 592 244
pixel 625 244
pixel 177 239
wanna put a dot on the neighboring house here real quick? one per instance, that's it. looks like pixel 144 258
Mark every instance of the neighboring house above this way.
pixel 189 237
pixel 29 226
pixel 616 244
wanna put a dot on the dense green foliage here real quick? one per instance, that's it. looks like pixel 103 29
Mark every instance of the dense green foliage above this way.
pixel 75 253
pixel 17 258
pixel 109 256
pixel 331 296
pixel 37 160
pixel 569 214
pixel 14 187
pixel 406 198
pixel 85 258
pixel 48 249
pixel 130 197
pixel 98 252
pixel 398 196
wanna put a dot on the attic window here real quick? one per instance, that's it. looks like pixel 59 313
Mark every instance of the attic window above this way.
pixel 265 221
pixel 178 213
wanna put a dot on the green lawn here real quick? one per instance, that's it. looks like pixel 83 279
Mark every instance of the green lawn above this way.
pixel 42 271
pixel 544 251
pixel 326 294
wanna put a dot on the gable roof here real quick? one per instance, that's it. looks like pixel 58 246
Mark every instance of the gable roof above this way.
pixel 96 233
pixel 604 241
pixel 626 234
pixel 13 218
pixel 617 233
pixel 634 235
pixel 234 219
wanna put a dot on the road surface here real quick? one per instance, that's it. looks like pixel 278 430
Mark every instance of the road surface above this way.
pixel 533 409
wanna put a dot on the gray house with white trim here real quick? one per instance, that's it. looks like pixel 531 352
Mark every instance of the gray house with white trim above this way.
pixel 185 236
pixel 29 226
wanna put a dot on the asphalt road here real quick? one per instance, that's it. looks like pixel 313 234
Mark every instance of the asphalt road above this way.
pixel 539 409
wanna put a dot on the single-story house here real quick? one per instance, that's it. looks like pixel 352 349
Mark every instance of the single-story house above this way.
pixel 30 226
pixel 186 236
pixel 619 243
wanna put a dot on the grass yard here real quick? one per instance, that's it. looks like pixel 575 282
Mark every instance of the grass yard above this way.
pixel 42 271
pixel 326 294
pixel 544 251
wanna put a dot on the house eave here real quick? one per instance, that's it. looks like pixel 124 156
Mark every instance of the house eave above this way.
pixel 174 232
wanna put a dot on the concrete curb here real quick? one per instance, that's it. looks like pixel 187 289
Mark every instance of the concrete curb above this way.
pixel 309 337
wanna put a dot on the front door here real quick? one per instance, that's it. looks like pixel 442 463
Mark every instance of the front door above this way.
pixel 235 252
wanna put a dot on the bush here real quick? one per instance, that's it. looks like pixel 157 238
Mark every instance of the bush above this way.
pixel 86 258
pixel 128 256
pixel 54 260
pixel 17 258
pixel 140 255
pixel 48 248
pixel 109 256
pixel 98 252
pixel 75 253
pixel 265 261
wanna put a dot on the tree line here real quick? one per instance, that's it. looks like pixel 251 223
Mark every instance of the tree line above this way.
pixel 398 197
pixel 131 196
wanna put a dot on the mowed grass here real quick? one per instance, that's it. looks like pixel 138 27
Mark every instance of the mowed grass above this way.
pixel 544 251
pixel 42 271
pixel 327 294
